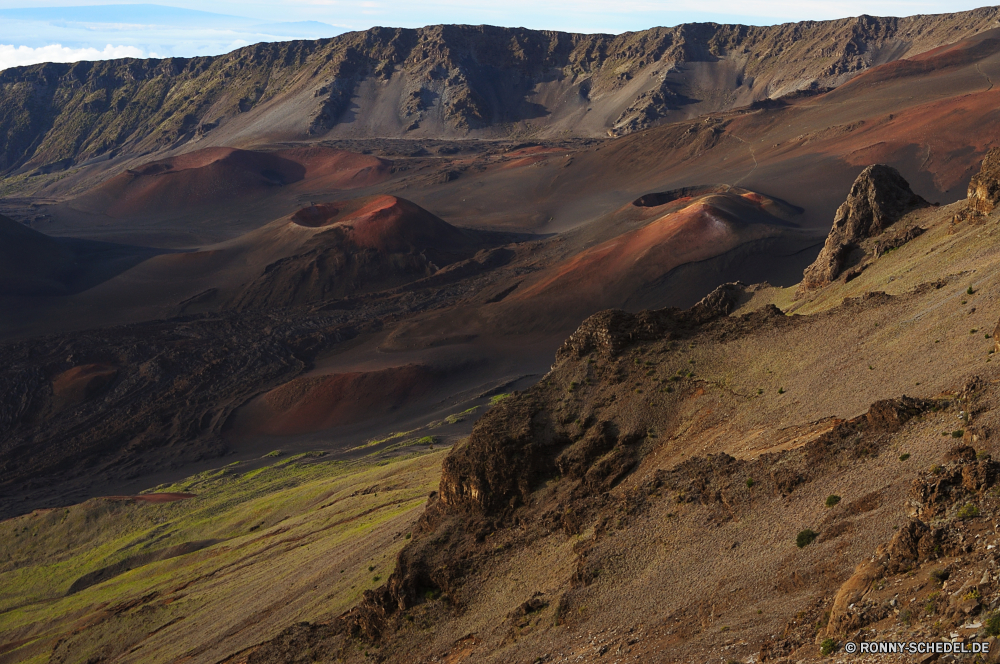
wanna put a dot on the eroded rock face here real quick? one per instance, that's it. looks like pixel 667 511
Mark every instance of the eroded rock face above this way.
pixel 984 188
pixel 879 197
pixel 609 332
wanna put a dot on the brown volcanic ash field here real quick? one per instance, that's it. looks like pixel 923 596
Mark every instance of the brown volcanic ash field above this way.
pixel 316 403
pixel 399 248
pixel 687 229
pixel 198 316
pixel 645 497
pixel 215 176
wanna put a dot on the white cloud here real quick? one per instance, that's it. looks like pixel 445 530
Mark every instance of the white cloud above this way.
pixel 17 56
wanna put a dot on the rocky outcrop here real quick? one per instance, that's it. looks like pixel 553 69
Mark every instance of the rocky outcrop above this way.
pixel 984 188
pixel 935 532
pixel 609 332
pixel 644 112
pixel 879 197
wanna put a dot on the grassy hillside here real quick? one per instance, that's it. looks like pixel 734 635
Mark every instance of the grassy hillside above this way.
pixel 249 553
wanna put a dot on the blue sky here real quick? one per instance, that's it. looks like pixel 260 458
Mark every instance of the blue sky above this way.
pixel 69 30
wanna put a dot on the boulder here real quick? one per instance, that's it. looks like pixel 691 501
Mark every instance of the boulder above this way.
pixel 984 188
pixel 879 197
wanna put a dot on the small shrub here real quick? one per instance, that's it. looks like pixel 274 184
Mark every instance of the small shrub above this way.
pixel 805 538
pixel 937 470
pixel 371 568
pixel 905 617
pixel 376 579
pixel 904 456
pixel 781 390
pixel 973 330
pixel 982 455
pixel 760 390
pixel 991 625
pixel 827 647
pixel 957 433
pixel 969 291
pixel 750 482
pixel 967 511
pixel 832 500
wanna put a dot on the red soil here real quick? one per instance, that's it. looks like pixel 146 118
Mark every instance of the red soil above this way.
pixel 336 169
pixel 755 197
pixel 80 383
pixel 384 223
pixel 536 149
pixel 522 162
pixel 938 60
pixel 943 132
pixel 697 232
pixel 219 175
pixel 154 497
pixel 315 403
pixel 683 230
pixel 316 216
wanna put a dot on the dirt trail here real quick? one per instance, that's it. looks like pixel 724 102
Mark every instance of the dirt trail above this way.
pixel 752 156
pixel 986 76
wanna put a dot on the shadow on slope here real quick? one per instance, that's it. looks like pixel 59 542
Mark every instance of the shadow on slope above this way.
pixel 35 264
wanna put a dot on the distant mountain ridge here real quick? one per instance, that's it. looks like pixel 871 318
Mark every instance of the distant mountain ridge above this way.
pixel 449 81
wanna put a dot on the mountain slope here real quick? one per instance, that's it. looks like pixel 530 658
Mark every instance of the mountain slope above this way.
pixel 725 482
pixel 31 263
pixel 440 80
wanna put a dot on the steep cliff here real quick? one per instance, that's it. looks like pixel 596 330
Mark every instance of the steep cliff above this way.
pixel 442 81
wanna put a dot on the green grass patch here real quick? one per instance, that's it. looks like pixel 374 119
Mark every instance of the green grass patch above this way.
pixel 967 511
pixel 461 417
pixel 269 527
